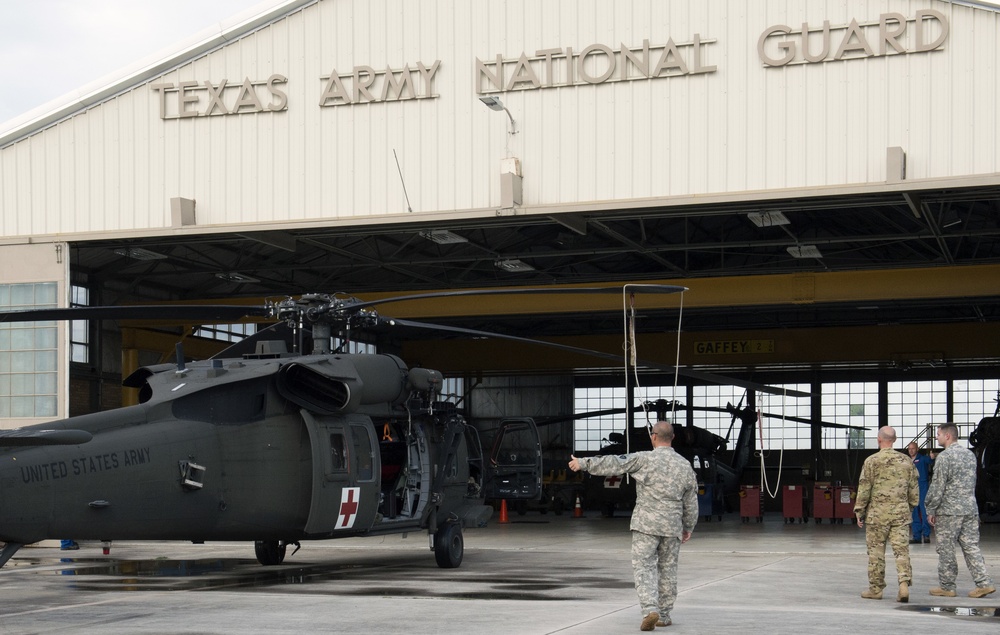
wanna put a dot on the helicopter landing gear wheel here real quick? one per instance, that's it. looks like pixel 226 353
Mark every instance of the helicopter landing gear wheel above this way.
pixel 449 546
pixel 269 552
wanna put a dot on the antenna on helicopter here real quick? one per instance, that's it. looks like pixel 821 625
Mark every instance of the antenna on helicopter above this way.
pixel 179 354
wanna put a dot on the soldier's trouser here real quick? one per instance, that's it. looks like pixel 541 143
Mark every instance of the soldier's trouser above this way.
pixel 654 563
pixel 965 531
pixel 898 537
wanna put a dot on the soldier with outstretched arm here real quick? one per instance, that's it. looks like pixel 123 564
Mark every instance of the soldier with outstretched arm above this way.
pixel 666 511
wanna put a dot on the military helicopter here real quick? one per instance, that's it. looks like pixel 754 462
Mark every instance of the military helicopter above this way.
pixel 277 440
pixel 984 441
pixel 702 447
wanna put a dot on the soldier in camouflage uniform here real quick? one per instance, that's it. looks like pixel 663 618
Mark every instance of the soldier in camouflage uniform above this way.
pixel 951 508
pixel 887 494
pixel 666 511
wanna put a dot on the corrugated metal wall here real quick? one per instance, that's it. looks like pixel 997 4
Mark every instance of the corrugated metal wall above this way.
pixel 744 128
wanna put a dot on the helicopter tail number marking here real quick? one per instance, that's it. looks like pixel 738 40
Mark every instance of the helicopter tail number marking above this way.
pixel 349 497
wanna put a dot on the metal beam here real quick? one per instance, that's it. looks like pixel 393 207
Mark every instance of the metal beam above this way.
pixel 731 291
pixel 912 345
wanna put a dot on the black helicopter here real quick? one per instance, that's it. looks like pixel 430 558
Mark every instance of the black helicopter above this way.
pixel 277 440
pixel 702 447
pixel 984 441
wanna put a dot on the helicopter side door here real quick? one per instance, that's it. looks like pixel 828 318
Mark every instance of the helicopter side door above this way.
pixel 514 470
pixel 345 474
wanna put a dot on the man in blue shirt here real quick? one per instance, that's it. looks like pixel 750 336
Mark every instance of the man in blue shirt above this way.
pixel 920 527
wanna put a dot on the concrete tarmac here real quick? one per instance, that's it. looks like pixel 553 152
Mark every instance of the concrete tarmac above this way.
pixel 538 574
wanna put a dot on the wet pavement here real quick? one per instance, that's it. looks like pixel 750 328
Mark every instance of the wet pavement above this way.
pixel 538 574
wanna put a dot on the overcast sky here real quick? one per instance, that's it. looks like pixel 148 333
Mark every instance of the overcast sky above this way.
pixel 52 47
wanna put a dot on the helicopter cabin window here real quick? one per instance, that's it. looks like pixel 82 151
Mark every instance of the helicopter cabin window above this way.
pixel 29 353
pixel 363 452
pixel 338 452
pixel 516 446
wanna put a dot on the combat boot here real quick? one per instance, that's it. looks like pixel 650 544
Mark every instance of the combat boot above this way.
pixel 904 592
pixel 944 593
pixel 872 594
pixel 981 591
pixel 649 622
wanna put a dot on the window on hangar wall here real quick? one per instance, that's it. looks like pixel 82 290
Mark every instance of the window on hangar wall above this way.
pixel 79 330
pixel 28 353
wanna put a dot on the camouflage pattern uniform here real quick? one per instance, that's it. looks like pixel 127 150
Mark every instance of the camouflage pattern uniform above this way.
pixel 887 494
pixel 952 500
pixel 666 506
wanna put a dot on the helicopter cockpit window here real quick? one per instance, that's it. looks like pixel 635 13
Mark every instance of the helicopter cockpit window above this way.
pixel 338 452
pixel 516 446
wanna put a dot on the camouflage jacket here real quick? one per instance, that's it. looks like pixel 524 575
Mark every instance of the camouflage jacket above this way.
pixel 666 489
pixel 888 489
pixel 953 488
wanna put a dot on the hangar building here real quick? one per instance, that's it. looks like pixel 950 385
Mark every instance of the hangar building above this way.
pixel 823 177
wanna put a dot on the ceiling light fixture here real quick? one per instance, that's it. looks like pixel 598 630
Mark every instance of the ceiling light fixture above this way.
pixel 513 265
pixel 235 276
pixel 443 237
pixel 139 253
pixel 805 251
pixel 768 219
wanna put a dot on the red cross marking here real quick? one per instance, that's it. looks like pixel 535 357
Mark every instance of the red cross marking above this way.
pixel 613 481
pixel 348 508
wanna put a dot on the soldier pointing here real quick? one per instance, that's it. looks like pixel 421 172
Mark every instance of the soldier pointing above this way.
pixel 666 511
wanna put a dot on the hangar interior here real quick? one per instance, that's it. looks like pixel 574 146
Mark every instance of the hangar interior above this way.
pixel 934 331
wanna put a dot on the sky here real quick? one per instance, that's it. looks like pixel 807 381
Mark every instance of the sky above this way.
pixel 52 47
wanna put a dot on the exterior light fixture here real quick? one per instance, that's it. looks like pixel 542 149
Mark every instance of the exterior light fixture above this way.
pixel 494 103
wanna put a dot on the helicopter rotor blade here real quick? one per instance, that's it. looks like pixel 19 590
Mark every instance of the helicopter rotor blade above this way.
pixel 326 304
pixel 206 312
pixel 706 377
pixel 822 424
pixel 628 288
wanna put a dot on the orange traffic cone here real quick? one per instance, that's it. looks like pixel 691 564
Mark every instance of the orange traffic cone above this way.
pixel 503 512
pixel 578 510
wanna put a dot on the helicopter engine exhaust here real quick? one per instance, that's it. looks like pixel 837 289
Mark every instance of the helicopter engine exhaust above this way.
pixel 343 383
